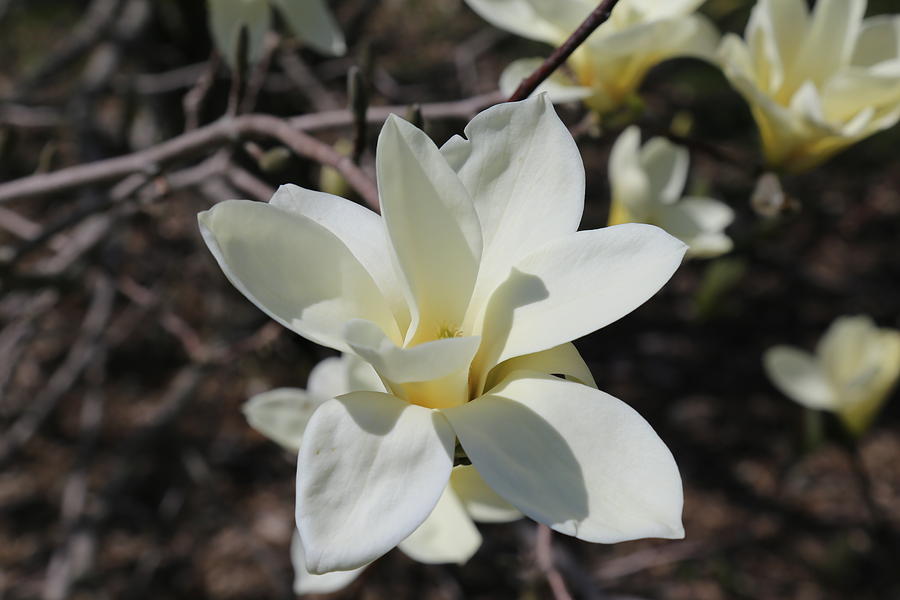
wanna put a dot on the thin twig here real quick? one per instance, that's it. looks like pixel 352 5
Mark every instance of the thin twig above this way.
pixel 597 17
pixel 249 183
pixel 305 80
pixel 258 74
pixel 543 551
pixel 81 354
pixel 193 100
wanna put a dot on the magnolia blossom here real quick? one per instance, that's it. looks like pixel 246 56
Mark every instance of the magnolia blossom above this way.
pixel 464 297
pixel 611 64
pixel 309 20
pixel 816 83
pixel 647 183
pixel 448 535
pixel 855 366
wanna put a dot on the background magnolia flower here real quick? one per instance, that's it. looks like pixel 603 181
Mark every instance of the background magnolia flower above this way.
pixel 309 20
pixel 816 83
pixel 610 66
pixel 448 535
pixel 464 297
pixel 855 366
pixel 647 183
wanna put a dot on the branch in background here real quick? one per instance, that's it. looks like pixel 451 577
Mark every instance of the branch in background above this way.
pixel 224 131
pixel 543 553
pixel 597 17
pixel 98 19
pixel 192 101
pixel 81 354
pixel 257 76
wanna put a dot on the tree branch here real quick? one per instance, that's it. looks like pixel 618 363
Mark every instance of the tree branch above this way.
pixel 597 17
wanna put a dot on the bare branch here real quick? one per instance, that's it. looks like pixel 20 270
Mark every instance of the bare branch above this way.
pixel 597 17
pixel 224 131
pixel 543 551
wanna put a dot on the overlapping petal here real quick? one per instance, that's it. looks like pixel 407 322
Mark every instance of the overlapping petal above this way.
pixel 574 285
pixel 559 87
pixel 360 229
pixel 281 414
pixel 481 502
pixel 561 360
pixel 602 476
pixel 525 177
pixel 432 225
pixel 361 455
pixel 295 270
pixel 448 535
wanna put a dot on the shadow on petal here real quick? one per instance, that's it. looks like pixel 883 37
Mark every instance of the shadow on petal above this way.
pixel 518 290
pixel 524 459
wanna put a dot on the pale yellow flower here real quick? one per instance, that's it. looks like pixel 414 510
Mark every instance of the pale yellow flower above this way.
pixel 855 367
pixel 611 64
pixel 464 296
pixel 647 182
pixel 816 82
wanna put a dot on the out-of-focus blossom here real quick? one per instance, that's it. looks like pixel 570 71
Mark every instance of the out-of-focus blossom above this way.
pixel 309 20
pixel 611 64
pixel 448 535
pixel 816 82
pixel 855 367
pixel 464 297
pixel 647 183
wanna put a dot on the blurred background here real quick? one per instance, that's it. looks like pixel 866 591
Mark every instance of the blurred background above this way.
pixel 127 469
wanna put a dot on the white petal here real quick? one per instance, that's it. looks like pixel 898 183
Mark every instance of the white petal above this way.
pixel 799 376
pixel 361 377
pixel 361 230
pixel 854 90
pixel 427 361
pixel 830 40
pixel 371 469
pixel 526 178
pixel 559 87
pixel 878 41
pixel 632 199
pixel 448 535
pixel 282 414
pixel 481 502
pixel 574 458
pixel 227 18
pixel 293 269
pixel 666 166
pixel 307 583
pixel 312 22
pixel 543 20
pixel 699 223
pixel 575 285
pixel 432 225
pixel 562 360
pixel 328 379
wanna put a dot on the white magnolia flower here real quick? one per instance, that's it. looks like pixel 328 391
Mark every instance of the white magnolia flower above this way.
pixel 855 366
pixel 816 83
pixel 448 535
pixel 611 64
pixel 309 20
pixel 463 296
pixel 647 183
